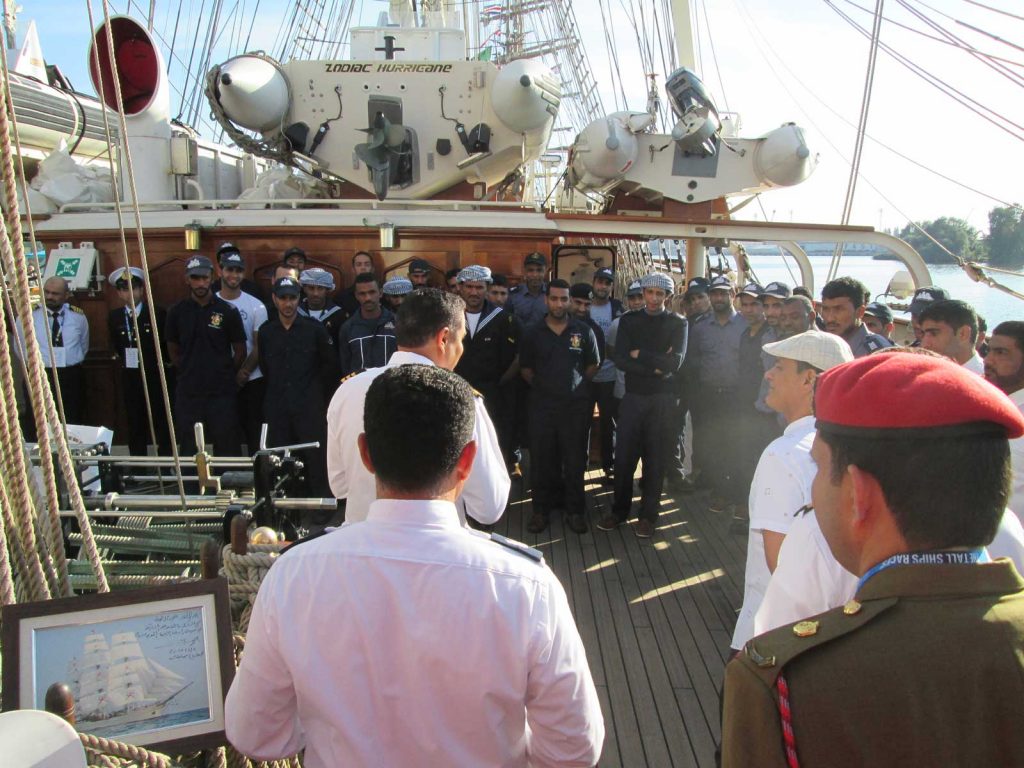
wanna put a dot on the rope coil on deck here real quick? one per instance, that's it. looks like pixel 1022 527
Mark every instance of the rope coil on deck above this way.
pixel 245 573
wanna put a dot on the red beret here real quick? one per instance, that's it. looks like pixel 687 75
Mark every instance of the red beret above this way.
pixel 893 395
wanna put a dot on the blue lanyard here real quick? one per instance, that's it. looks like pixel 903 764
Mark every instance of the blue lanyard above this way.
pixel 962 557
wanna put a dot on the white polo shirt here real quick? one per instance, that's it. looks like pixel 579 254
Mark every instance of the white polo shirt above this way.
pixel 781 486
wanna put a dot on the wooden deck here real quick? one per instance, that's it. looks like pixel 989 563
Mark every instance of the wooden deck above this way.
pixel 656 616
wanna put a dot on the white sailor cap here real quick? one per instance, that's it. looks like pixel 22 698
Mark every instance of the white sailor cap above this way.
pixel 398 286
pixel 475 273
pixel 658 280
pixel 317 276
pixel 118 274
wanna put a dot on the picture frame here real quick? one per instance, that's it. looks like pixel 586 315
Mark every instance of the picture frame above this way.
pixel 149 667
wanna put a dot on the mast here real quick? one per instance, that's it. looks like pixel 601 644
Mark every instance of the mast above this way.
pixel 683 31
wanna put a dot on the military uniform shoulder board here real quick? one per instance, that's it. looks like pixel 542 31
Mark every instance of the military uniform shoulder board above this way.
pixel 766 655
pixel 518 547
pixel 346 378
pixel 79 310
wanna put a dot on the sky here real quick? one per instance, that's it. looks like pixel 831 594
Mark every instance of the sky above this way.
pixel 782 61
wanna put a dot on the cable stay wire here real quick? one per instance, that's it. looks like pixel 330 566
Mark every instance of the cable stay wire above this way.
pixel 974 271
pixel 936 82
pixel 934 38
pixel 714 56
pixel 995 10
pixel 1001 69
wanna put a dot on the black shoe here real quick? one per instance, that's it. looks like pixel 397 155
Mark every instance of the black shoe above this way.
pixel 538 522
pixel 608 522
pixel 717 504
pixel 577 523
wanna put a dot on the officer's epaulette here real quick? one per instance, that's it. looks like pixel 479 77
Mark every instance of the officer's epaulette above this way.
pixel 518 547
pixel 346 378
pixel 79 310
pixel 766 655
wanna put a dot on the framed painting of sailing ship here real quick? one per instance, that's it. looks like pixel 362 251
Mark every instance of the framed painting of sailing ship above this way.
pixel 148 666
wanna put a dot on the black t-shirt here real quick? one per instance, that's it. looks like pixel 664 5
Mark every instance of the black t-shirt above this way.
pixel 297 363
pixel 559 360
pixel 205 334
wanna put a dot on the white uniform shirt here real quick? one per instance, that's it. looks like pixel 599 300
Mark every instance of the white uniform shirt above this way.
pixel 254 314
pixel 486 491
pixel 74 331
pixel 975 365
pixel 809 580
pixel 422 644
pixel 1017 463
pixel 781 486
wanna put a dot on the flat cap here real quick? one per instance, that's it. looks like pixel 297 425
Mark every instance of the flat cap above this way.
pixel 198 265
pixel 317 276
pixel 581 291
pixel 697 285
pixel 419 267
pixel 822 350
pixel 658 280
pixel 923 297
pixel 778 290
pixel 286 286
pixel 634 289
pixel 118 275
pixel 535 258
pixel 879 310
pixel 752 289
pixel 720 283
pixel 604 273
pixel 474 273
pixel 398 286
pixel 891 395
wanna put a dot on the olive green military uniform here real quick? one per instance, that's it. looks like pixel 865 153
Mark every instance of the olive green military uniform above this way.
pixel 925 668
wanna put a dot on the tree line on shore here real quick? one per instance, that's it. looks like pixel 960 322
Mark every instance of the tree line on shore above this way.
pixel 1001 246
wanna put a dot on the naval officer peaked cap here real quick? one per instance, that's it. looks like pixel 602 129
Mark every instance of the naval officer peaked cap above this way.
pixel 474 273
pixel 118 275
pixel 893 394
pixel 822 350
pixel 317 276
pixel 658 280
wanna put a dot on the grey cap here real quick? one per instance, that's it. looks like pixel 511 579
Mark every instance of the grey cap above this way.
pixel 879 310
pixel 924 297
pixel 720 283
pixel 198 265
pixel 317 276
pixel 398 286
pixel 752 289
pixel 286 286
pixel 778 290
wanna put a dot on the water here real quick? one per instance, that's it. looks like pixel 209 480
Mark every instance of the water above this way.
pixel 994 305
pixel 144 726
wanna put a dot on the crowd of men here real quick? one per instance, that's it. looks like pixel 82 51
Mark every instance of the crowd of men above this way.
pixel 877 487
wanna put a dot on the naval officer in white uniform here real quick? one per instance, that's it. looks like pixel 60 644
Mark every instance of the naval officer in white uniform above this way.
pixel 67 329
pixel 421 643
pixel 429 328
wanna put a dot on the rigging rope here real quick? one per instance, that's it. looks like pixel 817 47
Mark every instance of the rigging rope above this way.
pixel 147 287
pixel 858 148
